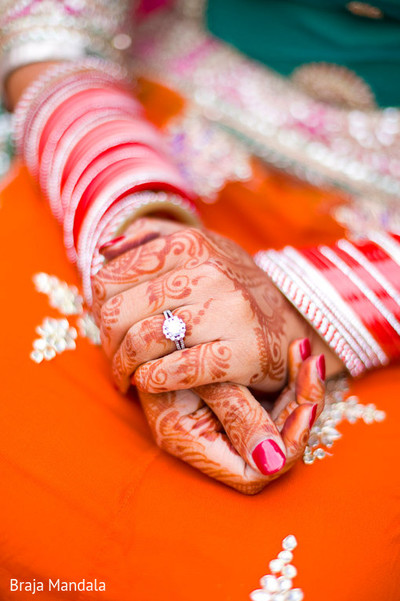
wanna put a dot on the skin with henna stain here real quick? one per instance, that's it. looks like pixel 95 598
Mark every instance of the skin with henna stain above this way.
pixel 243 324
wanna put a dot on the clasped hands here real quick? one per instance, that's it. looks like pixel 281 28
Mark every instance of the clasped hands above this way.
pixel 241 332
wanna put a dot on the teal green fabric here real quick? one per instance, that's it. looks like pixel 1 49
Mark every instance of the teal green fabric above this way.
pixel 285 34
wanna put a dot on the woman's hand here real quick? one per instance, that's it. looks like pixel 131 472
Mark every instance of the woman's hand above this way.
pixel 238 324
pixel 224 432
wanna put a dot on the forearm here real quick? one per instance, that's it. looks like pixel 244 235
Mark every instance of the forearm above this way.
pixel 17 82
pixel 98 160
pixel 77 128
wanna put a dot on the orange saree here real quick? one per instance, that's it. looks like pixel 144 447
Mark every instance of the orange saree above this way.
pixel 88 495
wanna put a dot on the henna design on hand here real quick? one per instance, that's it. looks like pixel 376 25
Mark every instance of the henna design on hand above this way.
pixel 196 435
pixel 183 426
pixel 187 369
pixel 170 271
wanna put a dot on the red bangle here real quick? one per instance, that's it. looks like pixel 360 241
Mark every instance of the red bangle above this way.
pixel 37 121
pixel 74 190
pixel 120 180
pixel 75 108
pixel 84 136
pixel 94 178
pixel 353 293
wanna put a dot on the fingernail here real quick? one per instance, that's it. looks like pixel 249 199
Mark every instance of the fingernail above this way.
pixel 321 367
pixel 268 457
pixel 111 243
pixel 313 415
pixel 305 348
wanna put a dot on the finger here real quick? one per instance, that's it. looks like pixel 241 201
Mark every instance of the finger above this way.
pixel 185 428
pixel 299 351
pixel 138 233
pixel 203 364
pixel 309 388
pixel 118 246
pixel 310 397
pixel 146 341
pixel 247 424
pixel 296 432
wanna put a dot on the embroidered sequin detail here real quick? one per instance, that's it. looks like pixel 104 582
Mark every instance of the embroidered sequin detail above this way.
pixel 323 144
pixel 337 409
pixel 207 156
pixel 334 84
pixel 278 585
pixel 368 213
pixel 81 25
pixel 58 335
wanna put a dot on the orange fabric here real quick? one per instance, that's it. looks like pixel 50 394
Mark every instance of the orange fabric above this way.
pixel 87 494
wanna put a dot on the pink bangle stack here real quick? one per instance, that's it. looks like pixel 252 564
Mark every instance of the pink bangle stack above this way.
pixel 98 160
pixel 349 292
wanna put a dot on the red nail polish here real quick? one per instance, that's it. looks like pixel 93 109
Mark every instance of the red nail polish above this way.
pixel 111 243
pixel 305 348
pixel 268 457
pixel 313 415
pixel 321 367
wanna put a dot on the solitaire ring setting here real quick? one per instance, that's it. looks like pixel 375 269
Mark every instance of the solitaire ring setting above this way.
pixel 174 328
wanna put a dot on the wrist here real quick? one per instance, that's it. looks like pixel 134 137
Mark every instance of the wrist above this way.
pixel 20 79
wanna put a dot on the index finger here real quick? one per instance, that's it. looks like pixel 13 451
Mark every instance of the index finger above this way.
pixel 247 424
pixel 186 428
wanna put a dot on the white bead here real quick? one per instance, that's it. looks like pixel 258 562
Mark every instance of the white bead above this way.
pixel 49 353
pixel 71 345
pixel 289 543
pixel 36 356
pixel 331 433
pixel 289 571
pixel 285 584
pixel 286 557
pixel 269 583
pixel 39 344
pixel 313 440
pixel 60 345
pixel 280 597
pixel 276 565
pixel 295 594
pixel 379 416
pixel 260 595
pixel 121 41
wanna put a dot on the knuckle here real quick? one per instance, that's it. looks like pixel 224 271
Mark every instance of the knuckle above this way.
pixel 98 289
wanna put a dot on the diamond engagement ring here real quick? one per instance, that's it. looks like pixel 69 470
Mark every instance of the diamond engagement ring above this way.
pixel 174 328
